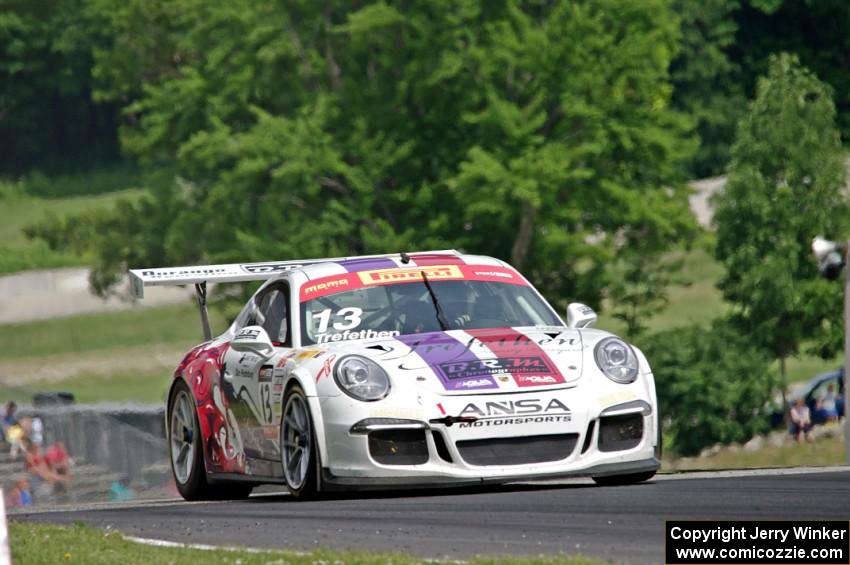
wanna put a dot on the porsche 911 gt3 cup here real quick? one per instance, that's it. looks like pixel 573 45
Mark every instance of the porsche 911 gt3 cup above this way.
pixel 420 369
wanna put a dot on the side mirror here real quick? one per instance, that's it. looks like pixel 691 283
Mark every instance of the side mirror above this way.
pixel 829 256
pixel 253 339
pixel 580 315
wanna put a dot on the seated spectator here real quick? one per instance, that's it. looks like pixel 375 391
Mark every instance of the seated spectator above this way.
pixel 801 421
pixel 9 418
pixel 120 490
pixel 33 428
pixel 44 478
pixel 16 437
pixel 20 495
pixel 58 460
pixel 829 405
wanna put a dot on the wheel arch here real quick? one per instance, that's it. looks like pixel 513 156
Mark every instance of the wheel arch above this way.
pixel 203 425
pixel 307 383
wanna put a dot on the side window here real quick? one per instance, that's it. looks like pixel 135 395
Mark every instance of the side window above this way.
pixel 270 312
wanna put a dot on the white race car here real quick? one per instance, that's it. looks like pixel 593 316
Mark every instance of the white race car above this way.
pixel 420 369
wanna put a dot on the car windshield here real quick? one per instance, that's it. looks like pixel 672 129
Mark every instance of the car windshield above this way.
pixel 407 308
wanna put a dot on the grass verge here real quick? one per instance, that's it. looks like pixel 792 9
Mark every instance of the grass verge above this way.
pixel 18 210
pixel 176 326
pixel 144 388
pixel 109 357
pixel 823 451
pixel 41 543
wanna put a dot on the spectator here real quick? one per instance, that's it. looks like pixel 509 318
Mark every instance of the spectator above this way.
pixel 16 436
pixel 58 460
pixel 33 428
pixel 45 479
pixel 801 421
pixel 9 418
pixel 829 405
pixel 120 491
pixel 20 495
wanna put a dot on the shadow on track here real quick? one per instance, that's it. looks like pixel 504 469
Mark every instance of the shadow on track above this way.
pixel 431 492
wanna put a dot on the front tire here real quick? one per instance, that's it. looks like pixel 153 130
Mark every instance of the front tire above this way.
pixel 186 454
pixel 298 449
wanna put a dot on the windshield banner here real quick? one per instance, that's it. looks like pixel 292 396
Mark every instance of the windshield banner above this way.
pixel 352 281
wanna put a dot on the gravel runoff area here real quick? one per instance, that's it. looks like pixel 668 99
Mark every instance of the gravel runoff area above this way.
pixel 39 295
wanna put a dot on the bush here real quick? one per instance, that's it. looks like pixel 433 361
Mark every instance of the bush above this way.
pixel 712 385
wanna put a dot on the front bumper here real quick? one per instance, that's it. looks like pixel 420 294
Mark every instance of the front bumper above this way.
pixel 504 422
pixel 334 482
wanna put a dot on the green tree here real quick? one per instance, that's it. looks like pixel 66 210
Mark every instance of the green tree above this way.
pixel 707 79
pixel 638 288
pixel 813 30
pixel 713 385
pixel 786 184
pixel 48 118
pixel 537 132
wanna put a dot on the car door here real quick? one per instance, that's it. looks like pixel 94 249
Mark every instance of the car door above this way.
pixel 250 375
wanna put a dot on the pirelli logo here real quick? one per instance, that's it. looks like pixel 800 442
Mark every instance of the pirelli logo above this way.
pixel 433 272
pixel 332 284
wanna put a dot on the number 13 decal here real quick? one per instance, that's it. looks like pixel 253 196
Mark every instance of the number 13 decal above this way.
pixel 351 318
pixel 266 402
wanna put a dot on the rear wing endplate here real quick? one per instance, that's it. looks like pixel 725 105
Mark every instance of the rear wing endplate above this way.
pixel 232 273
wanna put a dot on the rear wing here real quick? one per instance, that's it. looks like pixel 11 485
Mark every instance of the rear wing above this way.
pixel 231 273
pixel 236 272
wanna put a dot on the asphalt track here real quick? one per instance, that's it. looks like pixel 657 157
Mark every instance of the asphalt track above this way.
pixel 623 524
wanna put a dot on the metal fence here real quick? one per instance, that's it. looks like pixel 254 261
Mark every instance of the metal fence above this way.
pixel 114 447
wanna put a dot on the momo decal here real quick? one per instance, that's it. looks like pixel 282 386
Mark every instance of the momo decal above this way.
pixel 439 348
pixel 326 286
pixel 523 358
pixel 512 412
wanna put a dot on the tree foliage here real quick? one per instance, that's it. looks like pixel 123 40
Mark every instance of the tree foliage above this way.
pixel 708 79
pixel 713 386
pixel 786 184
pixel 47 115
pixel 319 129
pixel 69 67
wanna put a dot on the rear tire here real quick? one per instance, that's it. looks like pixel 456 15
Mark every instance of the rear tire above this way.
pixel 617 480
pixel 186 453
pixel 299 453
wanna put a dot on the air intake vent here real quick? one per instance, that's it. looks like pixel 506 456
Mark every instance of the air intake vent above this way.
pixel 618 433
pixel 398 447
pixel 517 450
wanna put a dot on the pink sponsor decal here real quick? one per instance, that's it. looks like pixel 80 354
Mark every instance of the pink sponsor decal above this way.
pixel 516 354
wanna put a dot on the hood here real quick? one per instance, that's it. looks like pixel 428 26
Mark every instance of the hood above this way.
pixel 496 360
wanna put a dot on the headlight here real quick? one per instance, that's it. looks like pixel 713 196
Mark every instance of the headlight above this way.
pixel 361 378
pixel 617 360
